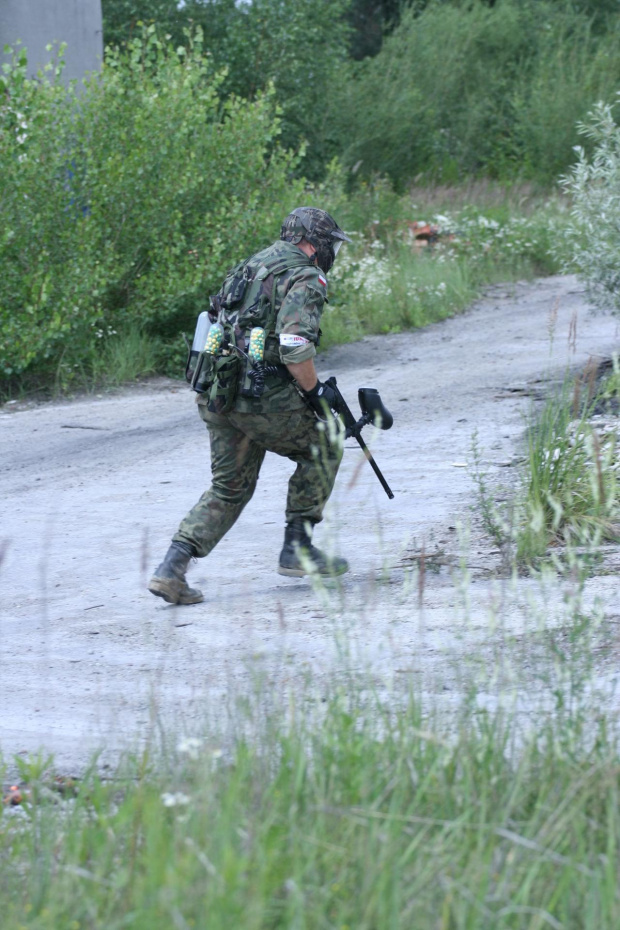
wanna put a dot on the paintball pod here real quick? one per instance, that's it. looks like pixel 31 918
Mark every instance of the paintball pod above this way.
pixel 373 411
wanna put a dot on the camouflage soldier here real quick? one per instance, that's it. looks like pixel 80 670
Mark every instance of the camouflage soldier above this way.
pixel 281 289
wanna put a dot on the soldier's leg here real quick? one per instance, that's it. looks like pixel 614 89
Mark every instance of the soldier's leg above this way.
pixel 317 453
pixel 312 482
pixel 309 488
pixel 235 463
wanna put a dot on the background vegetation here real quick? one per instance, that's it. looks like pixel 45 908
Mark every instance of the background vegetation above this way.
pixel 124 201
pixel 443 88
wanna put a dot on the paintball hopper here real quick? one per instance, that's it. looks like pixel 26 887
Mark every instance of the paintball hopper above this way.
pixel 373 409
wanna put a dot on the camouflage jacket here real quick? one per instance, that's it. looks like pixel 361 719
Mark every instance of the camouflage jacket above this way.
pixel 287 298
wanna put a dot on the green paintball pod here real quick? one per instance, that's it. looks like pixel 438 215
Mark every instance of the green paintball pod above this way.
pixel 214 339
pixel 256 348
pixel 254 378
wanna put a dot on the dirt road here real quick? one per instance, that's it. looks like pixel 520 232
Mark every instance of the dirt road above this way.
pixel 92 489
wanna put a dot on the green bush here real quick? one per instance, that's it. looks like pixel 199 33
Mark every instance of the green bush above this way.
pixel 473 89
pixel 296 46
pixel 123 205
pixel 593 238
pixel 573 68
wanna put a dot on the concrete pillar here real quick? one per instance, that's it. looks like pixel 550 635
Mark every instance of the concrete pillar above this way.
pixel 39 22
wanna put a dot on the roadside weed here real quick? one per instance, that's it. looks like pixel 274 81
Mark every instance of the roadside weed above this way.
pixel 570 491
pixel 389 281
pixel 126 356
pixel 356 814
pixel 494 520
pixel 567 491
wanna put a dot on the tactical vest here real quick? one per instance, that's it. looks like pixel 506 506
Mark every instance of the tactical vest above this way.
pixel 247 299
pixel 247 296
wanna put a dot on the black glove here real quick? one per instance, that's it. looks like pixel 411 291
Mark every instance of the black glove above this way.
pixel 322 398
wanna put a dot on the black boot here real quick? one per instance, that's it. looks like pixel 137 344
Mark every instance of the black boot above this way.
pixel 169 578
pixel 299 557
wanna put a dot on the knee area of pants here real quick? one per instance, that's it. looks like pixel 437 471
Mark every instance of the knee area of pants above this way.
pixel 231 494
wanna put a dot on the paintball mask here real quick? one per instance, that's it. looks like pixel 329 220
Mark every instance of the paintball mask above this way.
pixel 319 229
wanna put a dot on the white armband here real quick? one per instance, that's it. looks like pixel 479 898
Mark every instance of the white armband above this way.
pixel 289 339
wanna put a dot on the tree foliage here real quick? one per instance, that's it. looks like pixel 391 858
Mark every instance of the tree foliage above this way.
pixel 441 88
pixel 462 89
pixel 123 208
pixel 369 21
pixel 298 46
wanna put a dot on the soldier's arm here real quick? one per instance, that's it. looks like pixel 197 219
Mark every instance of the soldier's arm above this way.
pixel 304 373
pixel 297 326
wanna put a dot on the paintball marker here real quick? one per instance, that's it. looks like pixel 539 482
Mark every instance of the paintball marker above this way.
pixel 373 412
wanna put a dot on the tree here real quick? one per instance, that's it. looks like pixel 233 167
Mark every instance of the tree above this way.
pixel 121 18
pixel 369 21
pixel 299 46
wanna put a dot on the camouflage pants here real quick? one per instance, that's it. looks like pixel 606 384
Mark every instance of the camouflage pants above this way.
pixel 239 442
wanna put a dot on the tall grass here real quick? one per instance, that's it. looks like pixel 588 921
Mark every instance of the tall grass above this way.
pixel 387 282
pixel 395 291
pixel 131 354
pixel 355 816
pixel 567 492
pixel 570 494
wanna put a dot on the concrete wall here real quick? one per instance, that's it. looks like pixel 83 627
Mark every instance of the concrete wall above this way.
pixel 39 22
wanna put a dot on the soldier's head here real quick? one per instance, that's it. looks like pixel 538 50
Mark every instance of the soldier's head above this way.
pixel 319 229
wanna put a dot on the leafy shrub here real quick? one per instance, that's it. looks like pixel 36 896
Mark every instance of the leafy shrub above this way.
pixel 593 239
pixel 296 46
pixel 125 204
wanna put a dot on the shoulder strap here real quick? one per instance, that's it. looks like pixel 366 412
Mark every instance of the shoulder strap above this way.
pixel 277 266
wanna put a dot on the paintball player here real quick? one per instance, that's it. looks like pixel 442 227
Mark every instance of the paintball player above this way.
pixel 281 290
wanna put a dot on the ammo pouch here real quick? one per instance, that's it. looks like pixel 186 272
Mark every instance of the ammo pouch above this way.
pixel 200 371
pixel 215 373
pixel 222 392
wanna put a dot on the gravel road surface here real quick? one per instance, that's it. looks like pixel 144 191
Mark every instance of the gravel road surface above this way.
pixel 93 488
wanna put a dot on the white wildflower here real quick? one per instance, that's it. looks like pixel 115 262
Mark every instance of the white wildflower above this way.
pixel 190 746
pixel 175 799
